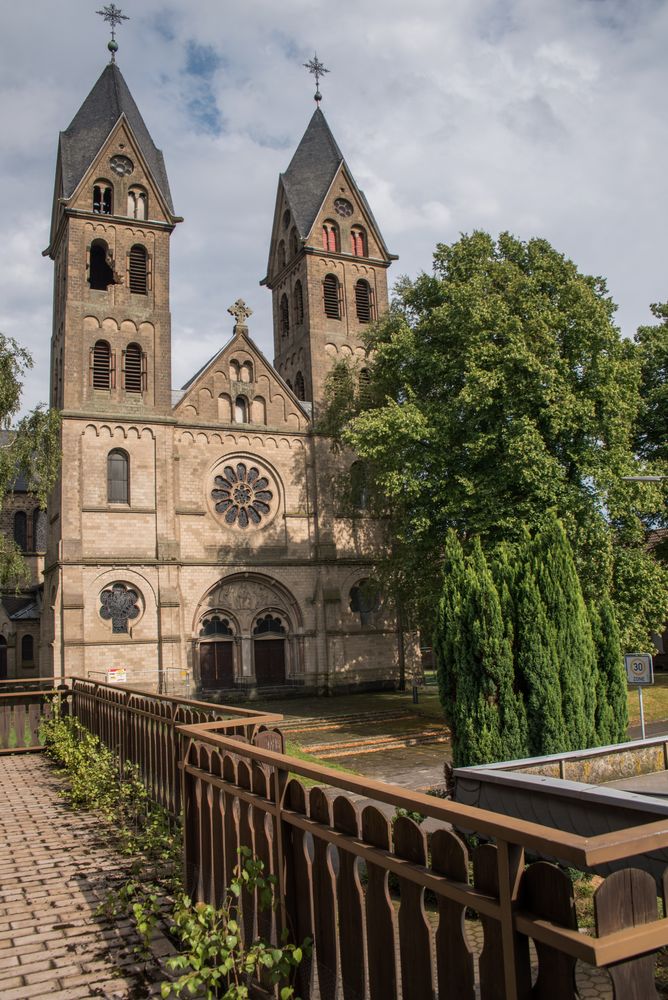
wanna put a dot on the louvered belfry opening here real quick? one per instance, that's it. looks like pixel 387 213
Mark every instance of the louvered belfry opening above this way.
pixel 102 204
pixel 138 270
pixel 363 301
pixel 101 365
pixel 285 316
pixel 331 294
pixel 134 380
pixel 299 303
pixel 300 387
pixel 100 273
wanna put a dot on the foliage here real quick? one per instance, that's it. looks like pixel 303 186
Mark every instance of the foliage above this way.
pixel 651 437
pixel 475 664
pixel 522 668
pixel 32 449
pixel 500 388
pixel 413 814
pixel 215 957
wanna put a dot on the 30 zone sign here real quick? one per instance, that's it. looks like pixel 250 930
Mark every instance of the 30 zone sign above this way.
pixel 639 668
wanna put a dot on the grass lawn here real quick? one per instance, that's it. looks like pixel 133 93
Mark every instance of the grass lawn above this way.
pixel 655 700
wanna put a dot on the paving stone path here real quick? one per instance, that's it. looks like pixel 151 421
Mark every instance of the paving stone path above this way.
pixel 55 870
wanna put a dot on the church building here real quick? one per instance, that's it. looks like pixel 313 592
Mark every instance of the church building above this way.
pixel 202 533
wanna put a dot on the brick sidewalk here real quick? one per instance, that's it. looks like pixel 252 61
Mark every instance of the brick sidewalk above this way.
pixel 54 873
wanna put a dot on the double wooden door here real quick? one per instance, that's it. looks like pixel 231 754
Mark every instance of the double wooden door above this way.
pixel 216 665
pixel 269 662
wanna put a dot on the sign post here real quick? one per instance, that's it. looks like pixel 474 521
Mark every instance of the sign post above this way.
pixel 639 671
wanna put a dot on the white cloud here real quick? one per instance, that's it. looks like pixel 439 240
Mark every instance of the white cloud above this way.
pixel 543 118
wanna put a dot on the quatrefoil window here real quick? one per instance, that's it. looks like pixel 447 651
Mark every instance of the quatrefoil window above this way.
pixel 120 605
pixel 241 494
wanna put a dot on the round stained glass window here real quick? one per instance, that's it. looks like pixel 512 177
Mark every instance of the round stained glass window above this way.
pixel 242 495
pixel 343 207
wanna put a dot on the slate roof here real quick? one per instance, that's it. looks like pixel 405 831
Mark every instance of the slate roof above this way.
pixel 81 141
pixel 311 172
pixel 21 608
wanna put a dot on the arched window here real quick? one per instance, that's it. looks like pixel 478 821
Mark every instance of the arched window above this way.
pixel 259 410
pixel 118 476
pixel 300 388
pixel 21 530
pixel 215 625
pixel 332 296
pixel 364 382
pixel 358 241
pixel 137 203
pixel 284 316
pixel 241 410
pixel 269 624
pixel 234 370
pixel 134 369
pixel 27 651
pixel 359 486
pixel 298 304
pixel 363 301
pixel 138 266
pixel 102 198
pixel 365 600
pixel 39 530
pixel 294 243
pixel 288 383
pixel 102 366
pixel 281 254
pixel 330 236
pixel 246 373
pixel 100 271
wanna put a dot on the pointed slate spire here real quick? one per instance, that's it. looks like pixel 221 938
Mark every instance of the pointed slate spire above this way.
pixel 311 172
pixel 82 140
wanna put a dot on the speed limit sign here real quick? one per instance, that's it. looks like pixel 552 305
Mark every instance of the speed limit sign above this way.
pixel 639 668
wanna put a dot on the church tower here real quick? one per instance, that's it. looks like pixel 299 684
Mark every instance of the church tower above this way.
pixel 111 223
pixel 327 265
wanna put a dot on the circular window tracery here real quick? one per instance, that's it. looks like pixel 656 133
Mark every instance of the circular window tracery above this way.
pixel 119 605
pixel 122 165
pixel 242 495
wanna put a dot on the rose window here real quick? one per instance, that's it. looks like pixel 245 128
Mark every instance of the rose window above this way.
pixel 119 605
pixel 241 494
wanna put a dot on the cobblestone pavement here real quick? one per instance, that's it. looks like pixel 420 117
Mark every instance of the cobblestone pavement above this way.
pixel 55 870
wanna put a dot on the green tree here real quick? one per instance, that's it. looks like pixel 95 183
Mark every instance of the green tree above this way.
pixel 475 664
pixel 500 387
pixel 651 436
pixel 612 716
pixel 33 449
pixel 571 641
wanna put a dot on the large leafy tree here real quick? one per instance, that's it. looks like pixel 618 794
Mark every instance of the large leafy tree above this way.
pixel 500 388
pixel 32 448
pixel 652 427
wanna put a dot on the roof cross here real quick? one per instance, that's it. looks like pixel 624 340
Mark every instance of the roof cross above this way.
pixel 241 312
pixel 113 15
pixel 317 68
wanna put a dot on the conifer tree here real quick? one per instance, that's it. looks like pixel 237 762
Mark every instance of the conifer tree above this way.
pixel 537 668
pixel 474 659
pixel 561 594
pixel 614 722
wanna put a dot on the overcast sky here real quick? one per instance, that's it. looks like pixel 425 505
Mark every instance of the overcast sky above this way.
pixel 544 118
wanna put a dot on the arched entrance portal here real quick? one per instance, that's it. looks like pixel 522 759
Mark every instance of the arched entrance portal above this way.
pixel 269 650
pixel 216 653
pixel 253 626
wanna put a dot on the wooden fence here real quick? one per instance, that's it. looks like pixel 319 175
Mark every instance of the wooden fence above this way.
pixel 23 706
pixel 385 904
pixel 144 729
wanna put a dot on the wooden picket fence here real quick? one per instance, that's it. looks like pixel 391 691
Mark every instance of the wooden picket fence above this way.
pixel 24 704
pixel 393 912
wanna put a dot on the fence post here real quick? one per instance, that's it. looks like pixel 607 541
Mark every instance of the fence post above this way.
pixel 516 968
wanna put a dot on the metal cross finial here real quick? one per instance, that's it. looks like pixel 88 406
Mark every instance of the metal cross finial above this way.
pixel 113 15
pixel 317 68
pixel 240 311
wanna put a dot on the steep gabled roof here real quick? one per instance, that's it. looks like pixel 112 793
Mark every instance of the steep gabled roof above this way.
pixel 82 140
pixel 311 172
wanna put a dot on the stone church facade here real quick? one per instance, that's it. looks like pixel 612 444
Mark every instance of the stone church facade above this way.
pixel 203 531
